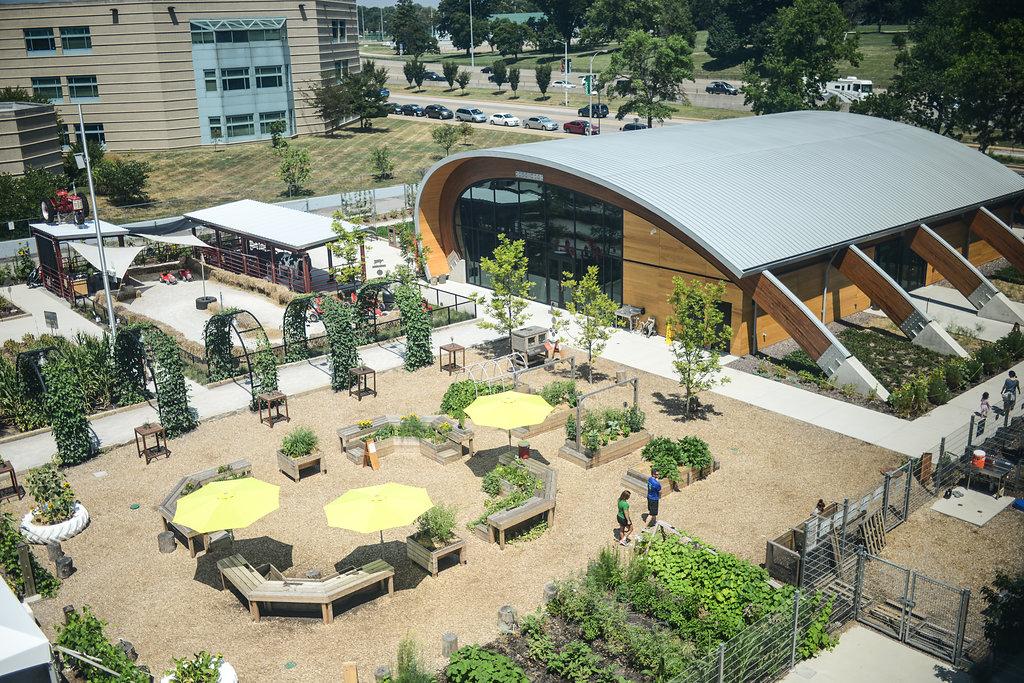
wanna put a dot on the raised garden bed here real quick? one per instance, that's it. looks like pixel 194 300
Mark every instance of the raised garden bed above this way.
pixel 9 310
pixel 294 466
pixel 636 480
pixel 193 539
pixel 605 454
pixel 556 419
pixel 457 440
pixel 426 555
pixel 516 503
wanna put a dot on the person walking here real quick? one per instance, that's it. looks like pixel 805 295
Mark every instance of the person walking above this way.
pixel 1011 387
pixel 623 518
pixel 653 497
pixel 982 413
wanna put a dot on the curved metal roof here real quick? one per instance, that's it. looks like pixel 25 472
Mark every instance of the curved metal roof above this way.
pixel 765 190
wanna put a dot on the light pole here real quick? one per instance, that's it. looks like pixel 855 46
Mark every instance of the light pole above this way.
pixel 565 72
pixel 96 224
pixel 590 91
pixel 382 23
pixel 472 58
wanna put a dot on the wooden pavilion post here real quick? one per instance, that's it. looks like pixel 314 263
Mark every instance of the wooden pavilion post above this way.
pixel 273 264
pixel 307 281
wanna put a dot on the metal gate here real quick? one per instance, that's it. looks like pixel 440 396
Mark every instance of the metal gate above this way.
pixel 911 607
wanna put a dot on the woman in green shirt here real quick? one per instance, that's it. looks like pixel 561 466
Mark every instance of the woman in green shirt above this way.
pixel 623 518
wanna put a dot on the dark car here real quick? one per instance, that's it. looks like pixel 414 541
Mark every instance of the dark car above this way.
pixel 394 108
pixel 412 110
pixel 433 76
pixel 487 70
pixel 384 92
pixel 438 111
pixel 721 88
pixel 634 125
pixel 579 127
pixel 599 110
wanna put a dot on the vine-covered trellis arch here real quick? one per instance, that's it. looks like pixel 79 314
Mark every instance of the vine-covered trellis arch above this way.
pixel 260 365
pixel 294 326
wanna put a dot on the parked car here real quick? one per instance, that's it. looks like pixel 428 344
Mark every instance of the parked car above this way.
pixel 384 92
pixel 434 76
pixel 599 110
pixel 394 108
pixel 412 110
pixel 563 84
pixel 580 127
pixel 503 119
pixel 487 70
pixel 470 114
pixel 540 123
pixel 634 125
pixel 721 88
pixel 438 111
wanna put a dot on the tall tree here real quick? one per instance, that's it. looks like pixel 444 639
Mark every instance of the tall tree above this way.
pixel 542 72
pixel 450 69
pixel 358 95
pixel 698 330
pixel 565 15
pixel 804 45
pixel 652 71
pixel 500 73
pixel 513 80
pixel 410 31
pixel 508 37
pixel 593 312
pixel 505 309
pixel 613 20
pixel 736 25
pixel 453 19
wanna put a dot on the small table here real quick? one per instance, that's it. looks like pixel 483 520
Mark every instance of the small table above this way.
pixel 157 431
pixel 273 400
pixel 362 384
pixel 629 314
pixel 15 489
pixel 995 473
pixel 452 365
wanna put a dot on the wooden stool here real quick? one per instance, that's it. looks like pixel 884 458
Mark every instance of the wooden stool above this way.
pixel 273 401
pixel 362 385
pixel 452 365
pixel 157 431
pixel 8 469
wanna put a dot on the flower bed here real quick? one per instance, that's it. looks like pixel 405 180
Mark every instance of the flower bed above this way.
pixel 433 436
pixel 605 436
pixel 298 452
pixel 57 516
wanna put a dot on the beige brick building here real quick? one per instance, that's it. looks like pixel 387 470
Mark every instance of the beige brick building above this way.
pixel 28 138
pixel 159 75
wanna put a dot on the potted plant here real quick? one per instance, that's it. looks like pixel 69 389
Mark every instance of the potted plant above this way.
pixel 299 451
pixel 203 667
pixel 435 538
pixel 57 516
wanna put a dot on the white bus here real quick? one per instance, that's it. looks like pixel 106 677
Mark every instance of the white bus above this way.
pixel 849 89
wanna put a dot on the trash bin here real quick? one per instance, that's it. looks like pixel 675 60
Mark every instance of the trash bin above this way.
pixel 524 450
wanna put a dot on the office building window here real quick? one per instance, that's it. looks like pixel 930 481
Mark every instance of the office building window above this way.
pixel 340 68
pixel 216 132
pixel 93 133
pixel 39 40
pixel 201 36
pixel 240 125
pixel 82 87
pixel 267 118
pixel 234 79
pixel 75 38
pixel 48 87
pixel 210 77
pixel 232 36
pixel 269 77
pixel 264 35
pixel 338 31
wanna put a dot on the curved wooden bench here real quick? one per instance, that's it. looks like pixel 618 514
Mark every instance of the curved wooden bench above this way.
pixel 270 585
pixel 169 506
pixel 459 438
pixel 541 504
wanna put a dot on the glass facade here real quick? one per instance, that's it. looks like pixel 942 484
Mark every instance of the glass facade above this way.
pixel 564 231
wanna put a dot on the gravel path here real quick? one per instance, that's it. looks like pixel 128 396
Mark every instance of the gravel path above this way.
pixel 773 470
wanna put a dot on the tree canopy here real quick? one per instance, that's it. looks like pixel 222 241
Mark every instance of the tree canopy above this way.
pixel 613 20
pixel 649 72
pixel 410 31
pixel 565 15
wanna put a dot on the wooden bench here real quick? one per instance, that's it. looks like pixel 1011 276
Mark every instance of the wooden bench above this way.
pixel 268 585
pixel 541 504
pixel 190 484
pixel 459 440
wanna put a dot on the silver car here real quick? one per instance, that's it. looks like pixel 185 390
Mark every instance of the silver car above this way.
pixel 470 114
pixel 540 123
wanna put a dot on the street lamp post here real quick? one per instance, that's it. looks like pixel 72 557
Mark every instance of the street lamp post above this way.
pixel 472 57
pixel 96 224
pixel 565 72
pixel 590 91
pixel 382 23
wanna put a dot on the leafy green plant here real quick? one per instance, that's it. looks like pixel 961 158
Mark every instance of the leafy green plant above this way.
pixel 695 453
pixel 474 664
pixel 55 500
pixel 343 345
pixel 460 395
pixel 664 454
pixel 410 668
pixel 220 357
pixel 436 526
pixel 66 407
pixel 524 485
pixel 816 636
pixel 176 415
pixel 299 442
pixel 416 325
pixel 575 662
pixel 938 391
pixel 561 392
pixel 293 328
pixel 129 373
pixel 84 632
pixel 1004 612
pixel 602 427
pixel 10 564
pixel 264 371
pixel 203 667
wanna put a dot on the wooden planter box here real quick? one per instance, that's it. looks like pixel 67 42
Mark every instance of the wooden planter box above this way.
pixel 604 455
pixel 292 466
pixel 555 420
pixel 444 453
pixel 636 479
pixel 428 557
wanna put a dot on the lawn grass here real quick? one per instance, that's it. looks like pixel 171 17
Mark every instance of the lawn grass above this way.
pixel 557 99
pixel 189 179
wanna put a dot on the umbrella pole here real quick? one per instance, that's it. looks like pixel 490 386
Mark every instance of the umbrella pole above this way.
pixel 382 544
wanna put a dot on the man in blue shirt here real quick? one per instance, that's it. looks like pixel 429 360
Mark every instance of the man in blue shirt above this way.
pixel 653 497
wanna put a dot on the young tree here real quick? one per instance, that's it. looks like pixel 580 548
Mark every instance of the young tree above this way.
pixel 500 74
pixel 408 71
pixel 803 47
pixel 418 71
pixel 123 180
pixel 348 250
pixel 505 309
pixel 698 331
pixel 277 129
pixel 593 312
pixel 465 132
pixel 649 73
pixel 382 162
pixel 410 31
pixel 445 136
pixel 542 73
pixel 451 71
pixel 463 79
pixel 296 168
pixel 513 80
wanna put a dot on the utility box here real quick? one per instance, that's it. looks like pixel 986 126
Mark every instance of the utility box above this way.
pixel 529 342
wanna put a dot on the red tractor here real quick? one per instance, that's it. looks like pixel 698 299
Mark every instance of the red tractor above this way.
pixel 65 207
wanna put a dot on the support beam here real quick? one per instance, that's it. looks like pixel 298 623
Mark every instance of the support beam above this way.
pixel 998 234
pixel 961 273
pixel 896 303
pixel 828 352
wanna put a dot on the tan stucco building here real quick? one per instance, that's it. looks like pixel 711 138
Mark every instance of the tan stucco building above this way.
pixel 28 138
pixel 166 75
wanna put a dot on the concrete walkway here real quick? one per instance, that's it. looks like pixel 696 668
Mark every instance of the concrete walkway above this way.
pixel 949 307
pixel 35 302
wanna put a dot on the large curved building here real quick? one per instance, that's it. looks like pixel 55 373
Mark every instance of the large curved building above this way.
pixel 806 216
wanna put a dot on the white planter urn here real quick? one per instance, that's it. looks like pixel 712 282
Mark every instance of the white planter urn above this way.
pixel 46 533
pixel 225 670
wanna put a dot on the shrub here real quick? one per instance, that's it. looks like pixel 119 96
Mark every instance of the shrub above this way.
pixel 84 633
pixel 1011 346
pixel 695 453
pixel 938 391
pixel 1004 612
pixel 474 664
pixel 410 669
pixel 437 525
pixel 954 374
pixel 991 360
pixel 1009 274
pixel 202 668
pixel 921 404
pixel 122 180
pixel 66 407
pixel 665 455
pixel 55 501
pixel 10 565
pixel 460 394
pixel 559 392
pixel 299 442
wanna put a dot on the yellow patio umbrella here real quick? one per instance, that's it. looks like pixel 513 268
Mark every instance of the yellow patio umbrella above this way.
pixel 230 504
pixel 508 410
pixel 376 508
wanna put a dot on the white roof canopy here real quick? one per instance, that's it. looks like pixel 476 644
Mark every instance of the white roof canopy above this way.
pixel 22 644
pixel 281 226
pixel 86 231
pixel 119 259
pixel 185 239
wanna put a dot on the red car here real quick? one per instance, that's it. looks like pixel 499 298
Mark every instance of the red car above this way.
pixel 579 127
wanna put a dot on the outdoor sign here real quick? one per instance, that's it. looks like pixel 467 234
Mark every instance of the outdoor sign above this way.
pixel 588 84
pixel 51 319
